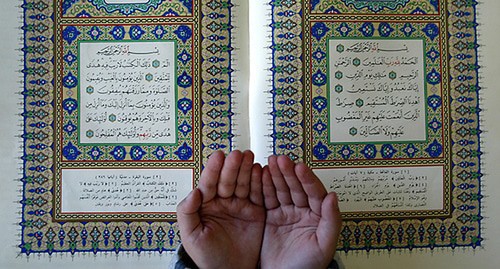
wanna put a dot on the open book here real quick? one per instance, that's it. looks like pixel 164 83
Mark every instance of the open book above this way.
pixel 125 99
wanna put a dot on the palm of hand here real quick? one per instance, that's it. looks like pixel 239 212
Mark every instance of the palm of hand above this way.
pixel 303 220
pixel 290 239
pixel 226 223
pixel 222 221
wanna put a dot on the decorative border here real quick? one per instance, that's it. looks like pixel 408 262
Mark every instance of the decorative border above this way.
pixel 376 7
pixel 67 124
pixel 102 9
pixel 44 28
pixel 318 75
pixel 292 135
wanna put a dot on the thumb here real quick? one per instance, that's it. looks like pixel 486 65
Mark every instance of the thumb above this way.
pixel 188 216
pixel 329 225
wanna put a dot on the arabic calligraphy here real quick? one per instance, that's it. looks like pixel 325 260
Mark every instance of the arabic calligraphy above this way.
pixel 127 92
pixel 112 190
pixel 377 91
pixel 386 189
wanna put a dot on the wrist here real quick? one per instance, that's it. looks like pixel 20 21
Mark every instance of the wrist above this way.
pixel 333 265
pixel 184 261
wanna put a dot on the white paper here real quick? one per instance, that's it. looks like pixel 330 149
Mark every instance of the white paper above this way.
pixel 385 188
pixel 124 190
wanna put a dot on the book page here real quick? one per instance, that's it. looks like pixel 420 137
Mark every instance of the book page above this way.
pixel 9 135
pixel 123 102
pixel 381 98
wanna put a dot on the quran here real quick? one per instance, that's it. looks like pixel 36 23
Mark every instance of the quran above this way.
pixel 124 100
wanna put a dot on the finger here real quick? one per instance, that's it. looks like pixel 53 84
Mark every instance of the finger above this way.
pixel 229 174
pixel 210 176
pixel 297 193
pixel 243 181
pixel 330 224
pixel 188 212
pixel 282 190
pixel 268 190
pixel 256 192
pixel 312 186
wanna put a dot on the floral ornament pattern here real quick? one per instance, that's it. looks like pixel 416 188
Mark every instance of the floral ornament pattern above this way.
pixel 385 29
pixel 70 58
pixel 319 30
pixel 95 32
pixel 433 54
pixel 434 102
pixel 319 55
pixel 160 153
pixel 118 32
pixel 95 153
pixel 344 29
pixel 136 32
pixel 387 151
pixel 369 151
pixel 185 105
pixel 70 34
pixel 185 80
pixel 70 105
pixel 321 151
pixel 435 125
pixel 184 57
pixel 367 29
pixel 320 127
pixel 184 33
pixel 319 78
pixel 70 81
pixel 320 103
pixel 136 153
pixel 431 30
pixel 185 152
pixel 185 128
pixel 70 152
pixel 346 152
pixel 408 29
pixel 119 153
pixel 69 128
pixel 159 32
pixel 435 149
pixel 433 77
pixel 411 150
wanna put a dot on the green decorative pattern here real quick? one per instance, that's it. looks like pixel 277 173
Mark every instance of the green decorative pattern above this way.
pixel 103 9
pixel 126 9
pixel 406 7
pixel 376 6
